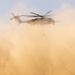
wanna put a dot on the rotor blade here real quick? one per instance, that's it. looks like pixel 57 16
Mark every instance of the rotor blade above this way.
pixel 29 15
pixel 35 13
pixel 11 18
pixel 14 15
pixel 47 13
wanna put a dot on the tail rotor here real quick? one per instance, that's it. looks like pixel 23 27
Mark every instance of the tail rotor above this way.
pixel 14 17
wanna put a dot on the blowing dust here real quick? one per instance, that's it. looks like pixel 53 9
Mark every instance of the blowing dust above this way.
pixel 39 50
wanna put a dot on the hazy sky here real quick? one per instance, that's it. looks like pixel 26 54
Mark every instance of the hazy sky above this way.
pixel 7 6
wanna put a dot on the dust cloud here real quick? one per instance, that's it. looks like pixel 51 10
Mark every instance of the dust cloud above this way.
pixel 39 50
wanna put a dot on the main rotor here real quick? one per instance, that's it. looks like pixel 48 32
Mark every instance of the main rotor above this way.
pixel 37 15
pixel 34 15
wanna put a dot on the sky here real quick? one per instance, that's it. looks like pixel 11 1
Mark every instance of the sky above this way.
pixel 6 7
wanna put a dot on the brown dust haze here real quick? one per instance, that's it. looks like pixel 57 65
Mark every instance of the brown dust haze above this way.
pixel 38 50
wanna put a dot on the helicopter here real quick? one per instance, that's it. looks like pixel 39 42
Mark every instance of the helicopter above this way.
pixel 38 19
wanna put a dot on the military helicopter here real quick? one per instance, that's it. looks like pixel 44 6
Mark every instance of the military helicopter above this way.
pixel 38 19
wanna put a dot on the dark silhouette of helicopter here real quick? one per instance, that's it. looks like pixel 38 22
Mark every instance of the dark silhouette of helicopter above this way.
pixel 38 19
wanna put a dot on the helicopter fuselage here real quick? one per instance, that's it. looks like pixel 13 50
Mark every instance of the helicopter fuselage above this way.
pixel 40 21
